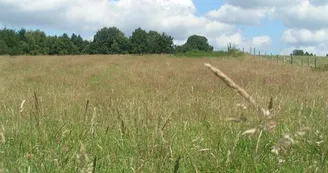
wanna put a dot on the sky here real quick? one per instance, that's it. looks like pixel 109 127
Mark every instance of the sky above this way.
pixel 276 27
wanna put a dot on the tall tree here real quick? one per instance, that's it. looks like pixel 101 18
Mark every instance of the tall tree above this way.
pixel 53 45
pixel 36 41
pixel 11 38
pixel 153 40
pixel 139 41
pixel 21 34
pixel 195 42
pixel 165 44
pixel 109 41
pixel 66 46
pixel 3 47
pixel 298 52
pixel 78 42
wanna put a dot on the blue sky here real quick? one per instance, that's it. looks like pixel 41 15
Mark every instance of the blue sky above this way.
pixel 275 27
pixel 204 6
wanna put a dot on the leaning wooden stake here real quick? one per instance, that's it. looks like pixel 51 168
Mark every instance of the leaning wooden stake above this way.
pixel 238 89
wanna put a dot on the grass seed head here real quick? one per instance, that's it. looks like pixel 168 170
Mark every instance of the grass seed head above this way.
pixel 21 108
pixel 2 135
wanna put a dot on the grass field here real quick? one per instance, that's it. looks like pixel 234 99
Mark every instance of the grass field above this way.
pixel 158 114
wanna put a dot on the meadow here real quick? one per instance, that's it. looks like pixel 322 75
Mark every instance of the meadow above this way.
pixel 158 113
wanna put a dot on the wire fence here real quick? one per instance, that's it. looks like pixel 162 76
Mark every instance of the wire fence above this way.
pixel 311 61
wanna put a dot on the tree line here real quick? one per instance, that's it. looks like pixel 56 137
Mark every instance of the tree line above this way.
pixel 107 40
pixel 300 52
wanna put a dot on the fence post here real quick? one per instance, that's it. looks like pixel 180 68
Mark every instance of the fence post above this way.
pixel 277 59
pixel 291 59
pixel 315 62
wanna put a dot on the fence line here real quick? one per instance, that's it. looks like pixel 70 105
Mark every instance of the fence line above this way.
pixel 291 59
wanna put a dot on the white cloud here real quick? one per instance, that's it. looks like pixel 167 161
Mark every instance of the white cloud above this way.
pixel 91 15
pixel 237 15
pixel 262 41
pixel 262 3
pixel 304 15
pixel 223 40
pixel 305 36
pixel 179 42
pixel 174 17
pixel 306 22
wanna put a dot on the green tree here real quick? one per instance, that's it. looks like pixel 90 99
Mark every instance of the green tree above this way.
pixel 195 42
pixel 23 48
pixel 109 41
pixel 86 47
pixel 11 40
pixel 52 45
pixel 159 43
pixel 66 46
pixel 21 34
pixel 3 47
pixel 78 42
pixel 165 44
pixel 180 48
pixel 298 52
pixel 36 41
pixel 139 41
pixel 153 40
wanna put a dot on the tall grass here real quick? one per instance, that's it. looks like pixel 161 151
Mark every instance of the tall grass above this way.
pixel 159 114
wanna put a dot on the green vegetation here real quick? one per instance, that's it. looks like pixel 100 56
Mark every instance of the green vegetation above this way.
pixel 152 113
pixel 195 42
pixel 300 52
pixel 106 41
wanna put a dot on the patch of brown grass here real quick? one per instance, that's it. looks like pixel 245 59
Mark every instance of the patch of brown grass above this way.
pixel 151 109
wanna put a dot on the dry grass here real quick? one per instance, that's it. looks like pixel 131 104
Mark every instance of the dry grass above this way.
pixel 156 114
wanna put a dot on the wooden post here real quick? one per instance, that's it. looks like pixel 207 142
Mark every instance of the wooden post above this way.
pixel 259 53
pixel 291 59
pixel 277 59
pixel 315 62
